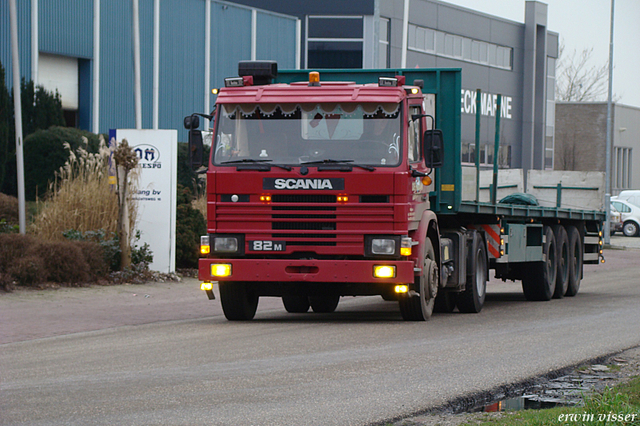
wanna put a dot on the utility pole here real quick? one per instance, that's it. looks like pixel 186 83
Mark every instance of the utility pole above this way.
pixel 17 106
pixel 607 195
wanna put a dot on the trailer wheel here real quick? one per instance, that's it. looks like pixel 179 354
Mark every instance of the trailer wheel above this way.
pixel 296 304
pixel 575 261
pixel 324 304
pixel 539 282
pixel 239 303
pixel 471 300
pixel 562 278
pixel 420 307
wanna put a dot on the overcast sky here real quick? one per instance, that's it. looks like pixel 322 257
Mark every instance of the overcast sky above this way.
pixel 585 24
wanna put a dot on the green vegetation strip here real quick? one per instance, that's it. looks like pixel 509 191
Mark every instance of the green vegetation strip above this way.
pixel 614 406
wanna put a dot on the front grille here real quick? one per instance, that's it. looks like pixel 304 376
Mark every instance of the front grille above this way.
pixel 307 226
pixel 303 198
pixel 304 216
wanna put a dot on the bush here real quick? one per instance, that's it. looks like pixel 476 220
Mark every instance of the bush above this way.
pixel 109 244
pixel 8 208
pixel 40 110
pixel 45 154
pixel 64 261
pixel 30 262
pixel 29 270
pixel 94 257
pixel 186 176
pixel 13 247
pixel 190 225
pixel 84 199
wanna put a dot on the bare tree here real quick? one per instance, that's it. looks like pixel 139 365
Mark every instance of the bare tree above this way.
pixel 578 80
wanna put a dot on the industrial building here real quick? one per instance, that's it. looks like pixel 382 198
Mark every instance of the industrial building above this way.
pixel 581 134
pixel 88 50
pixel 85 49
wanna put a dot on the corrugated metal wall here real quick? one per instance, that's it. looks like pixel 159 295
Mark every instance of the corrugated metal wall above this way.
pixel 66 28
pixel 24 40
pixel 271 43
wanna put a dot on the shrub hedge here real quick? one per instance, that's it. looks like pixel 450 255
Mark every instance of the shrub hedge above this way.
pixel 44 154
pixel 29 262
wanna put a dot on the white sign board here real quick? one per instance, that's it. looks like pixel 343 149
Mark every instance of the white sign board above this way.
pixel 157 152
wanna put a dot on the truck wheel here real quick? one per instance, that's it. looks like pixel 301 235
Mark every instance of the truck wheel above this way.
pixel 471 300
pixel 540 281
pixel 630 229
pixel 420 307
pixel 296 304
pixel 562 278
pixel 324 304
pixel 575 261
pixel 239 303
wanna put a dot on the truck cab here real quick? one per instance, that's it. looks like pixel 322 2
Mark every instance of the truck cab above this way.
pixel 319 189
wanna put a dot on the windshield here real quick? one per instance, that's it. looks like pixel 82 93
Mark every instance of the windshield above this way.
pixel 295 134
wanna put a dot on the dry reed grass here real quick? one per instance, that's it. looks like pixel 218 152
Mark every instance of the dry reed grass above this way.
pixel 200 204
pixel 82 198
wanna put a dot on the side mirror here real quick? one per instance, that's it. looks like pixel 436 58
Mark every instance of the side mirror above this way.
pixel 191 122
pixel 196 146
pixel 433 148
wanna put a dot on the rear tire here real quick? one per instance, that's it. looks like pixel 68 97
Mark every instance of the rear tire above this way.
pixel 324 304
pixel 239 303
pixel 562 277
pixel 472 299
pixel 420 307
pixel 575 261
pixel 296 304
pixel 540 281
pixel 445 302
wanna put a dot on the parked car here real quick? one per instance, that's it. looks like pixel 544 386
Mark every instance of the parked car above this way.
pixel 630 196
pixel 615 220
pixel 630 214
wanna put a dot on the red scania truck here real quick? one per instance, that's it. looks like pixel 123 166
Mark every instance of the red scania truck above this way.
pixel 349 183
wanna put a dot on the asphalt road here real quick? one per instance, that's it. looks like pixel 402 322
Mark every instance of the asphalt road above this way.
pixel 359 366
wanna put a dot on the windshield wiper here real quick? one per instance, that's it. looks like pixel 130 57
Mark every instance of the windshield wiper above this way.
pixel 332 161
pixel 254 161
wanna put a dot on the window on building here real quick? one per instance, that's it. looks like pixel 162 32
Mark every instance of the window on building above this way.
pixel 335 41
pixel 447 45
pixel 622 168
pixel 550 115
pixel 383 51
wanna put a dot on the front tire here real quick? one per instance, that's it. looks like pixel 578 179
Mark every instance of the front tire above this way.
pixel 239 302
pixel 540 282
pixel 420 307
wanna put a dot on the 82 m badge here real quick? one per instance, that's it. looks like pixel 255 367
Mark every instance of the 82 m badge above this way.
pixel 267 245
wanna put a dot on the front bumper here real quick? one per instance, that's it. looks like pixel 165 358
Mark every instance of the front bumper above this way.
pixel 320 271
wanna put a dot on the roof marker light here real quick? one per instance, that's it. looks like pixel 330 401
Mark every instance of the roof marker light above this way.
pixel 234 82
pixel 387 82
pixel 314 78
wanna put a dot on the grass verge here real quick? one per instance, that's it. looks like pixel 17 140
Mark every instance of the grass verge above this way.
pixel 615 406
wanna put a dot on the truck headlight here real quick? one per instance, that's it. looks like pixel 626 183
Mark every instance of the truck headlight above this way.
pixel 225 244
pixel 384 246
